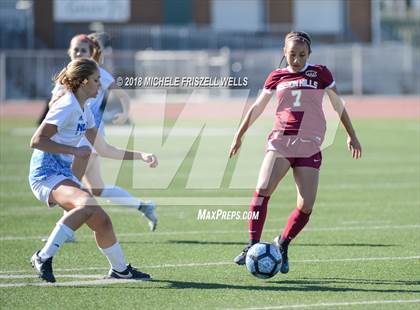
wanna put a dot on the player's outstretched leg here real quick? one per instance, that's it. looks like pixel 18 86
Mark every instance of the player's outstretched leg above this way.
pixel 306 179
pixel 258 204
pixel 148 209
pixel 114 194
pixel 273 169
pixel 120 196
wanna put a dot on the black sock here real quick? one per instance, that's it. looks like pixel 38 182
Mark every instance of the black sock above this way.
pixel 284 242
pixel 252 242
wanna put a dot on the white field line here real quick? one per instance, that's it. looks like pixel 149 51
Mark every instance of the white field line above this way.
pixel 34 276
pixel 232 200
pixel 206 232
pixel 208 264
pixel 70 283
pixel 333 304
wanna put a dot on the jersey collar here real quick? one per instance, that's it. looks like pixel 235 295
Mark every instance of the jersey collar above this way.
pixel 301 70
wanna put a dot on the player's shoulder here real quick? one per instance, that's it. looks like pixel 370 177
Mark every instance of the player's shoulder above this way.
pixel 318 71
pixel 104 73
pixel 277 73
pixel 66 102
pixel 317 67
pixel 58 88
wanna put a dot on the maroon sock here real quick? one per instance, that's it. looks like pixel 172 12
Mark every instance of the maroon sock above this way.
pixel 258 204
pixel 297 220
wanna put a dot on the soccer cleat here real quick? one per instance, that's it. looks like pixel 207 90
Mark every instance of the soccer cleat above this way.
pixel 283 247
pixel 148 209
pixel 129 273
pixel 44 268
pixel 240 259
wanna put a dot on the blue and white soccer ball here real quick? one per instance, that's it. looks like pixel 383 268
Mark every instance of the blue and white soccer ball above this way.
pixel 263 260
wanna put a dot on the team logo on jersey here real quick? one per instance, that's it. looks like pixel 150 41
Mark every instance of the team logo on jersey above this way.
pixel 311 73
pixel 81 126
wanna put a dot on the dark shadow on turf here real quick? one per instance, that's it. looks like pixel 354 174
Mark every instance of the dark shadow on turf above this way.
pixel 301 286
pixel 346 244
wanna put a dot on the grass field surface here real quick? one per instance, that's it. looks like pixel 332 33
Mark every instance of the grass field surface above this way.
pixel 361 249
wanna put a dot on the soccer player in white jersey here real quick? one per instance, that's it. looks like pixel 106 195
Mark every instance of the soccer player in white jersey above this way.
pixel 51 179
pixel 88 169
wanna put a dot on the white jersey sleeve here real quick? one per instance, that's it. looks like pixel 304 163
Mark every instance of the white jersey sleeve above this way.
pixel 106 78
pixel 59 114
pixel 58 89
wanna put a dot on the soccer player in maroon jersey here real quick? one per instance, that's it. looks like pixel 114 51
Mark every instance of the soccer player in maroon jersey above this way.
pixel 295 141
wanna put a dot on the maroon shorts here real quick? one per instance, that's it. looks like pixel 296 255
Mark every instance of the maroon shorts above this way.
pixel 300 152
pixel 314 161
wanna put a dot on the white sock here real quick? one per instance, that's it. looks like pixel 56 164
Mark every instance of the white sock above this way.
pixel 115 256
pixel 119 196
pixel 58 236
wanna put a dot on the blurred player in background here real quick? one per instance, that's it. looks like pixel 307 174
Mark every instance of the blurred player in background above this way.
pixel 295 141
pixel 56 143
pixel 89 170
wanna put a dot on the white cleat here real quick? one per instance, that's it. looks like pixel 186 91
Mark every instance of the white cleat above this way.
pixel 148 209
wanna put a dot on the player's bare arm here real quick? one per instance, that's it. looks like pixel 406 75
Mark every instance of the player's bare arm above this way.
pixel 251 116
pixel 121 118
pixel 106 150
pixel 353 143
pixel 42 140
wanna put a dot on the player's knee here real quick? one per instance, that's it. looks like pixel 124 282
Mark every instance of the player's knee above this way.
pixel 263 191
pixel 87 204
pixel 83 200
pixel 102 220
pixel 305 207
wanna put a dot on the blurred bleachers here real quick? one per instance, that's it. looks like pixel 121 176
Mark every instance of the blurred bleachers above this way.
pixel 388 69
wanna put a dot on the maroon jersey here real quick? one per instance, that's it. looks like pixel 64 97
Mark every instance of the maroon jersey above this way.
pixel 299 111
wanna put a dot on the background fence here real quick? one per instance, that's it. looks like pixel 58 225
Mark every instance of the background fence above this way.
pixel 358 69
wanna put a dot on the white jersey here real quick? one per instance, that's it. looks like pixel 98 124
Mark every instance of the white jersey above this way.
pixel 94 104
pixel 72 122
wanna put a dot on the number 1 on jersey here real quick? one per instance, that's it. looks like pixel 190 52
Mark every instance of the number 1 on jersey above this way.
pixel 298 94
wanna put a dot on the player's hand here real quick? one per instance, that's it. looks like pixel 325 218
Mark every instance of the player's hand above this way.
pixel 354 147
pixel 236 144
pixel 82 151
pixel 120 118
pixel 150 159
